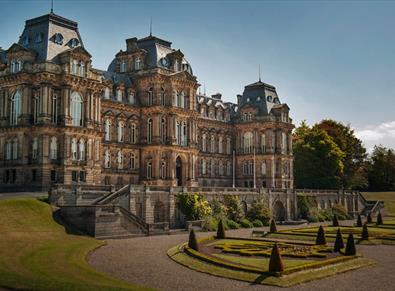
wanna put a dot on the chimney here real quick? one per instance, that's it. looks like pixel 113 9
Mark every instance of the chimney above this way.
pixel 239 99
pixel 131 44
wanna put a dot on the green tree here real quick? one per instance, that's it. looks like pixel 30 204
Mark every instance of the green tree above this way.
pixel 234 208
pixel 259 210
pixel 194 206
pixel 381 170
pixel 354 158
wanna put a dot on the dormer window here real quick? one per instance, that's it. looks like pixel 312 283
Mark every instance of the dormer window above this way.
pixel 276 100
pixel 16 66
pixel 176 65
pixel 119 95
pixel 39 37
pixel 137 64
pixel 122 67
pixel 131 98
pixel 58 38
pixel 269 98
pixel 25 40
pixel 74 42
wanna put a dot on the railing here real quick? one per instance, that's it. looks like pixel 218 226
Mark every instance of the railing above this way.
pixel 136 220
pixel 111 196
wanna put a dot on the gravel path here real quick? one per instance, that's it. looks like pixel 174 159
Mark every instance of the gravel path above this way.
pixel 144 261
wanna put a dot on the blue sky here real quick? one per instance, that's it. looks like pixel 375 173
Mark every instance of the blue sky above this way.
pixel 326 59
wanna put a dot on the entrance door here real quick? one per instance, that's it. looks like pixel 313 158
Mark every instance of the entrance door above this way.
pixel 179 171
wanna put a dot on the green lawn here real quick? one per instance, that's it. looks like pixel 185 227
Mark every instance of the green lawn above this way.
pixel 37 254
pixel 387 197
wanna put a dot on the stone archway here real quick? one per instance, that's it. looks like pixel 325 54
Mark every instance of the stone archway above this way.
pixel 179 173
pixel 159 212
pixel 279 211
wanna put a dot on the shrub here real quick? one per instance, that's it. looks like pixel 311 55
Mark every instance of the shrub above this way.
pixel 305 204
pixel 340 211
pixel 273 226
pixel 219 209
pixel 379 219
pixel 234 209
pixel 257 223
pixel 194 206
pixel 335 221
pixel 210 223
pixel 246 223
pixel 321 239
pixel 221 230
pixel 350 247
pixel 233 224
pixel 192 242
pixel 339 244
pixel 275 263
pixel 365 232
pixel 369 219
pixel 359 220
pixel 259 211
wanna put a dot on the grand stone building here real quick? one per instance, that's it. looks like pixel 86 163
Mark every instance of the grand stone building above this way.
pixel 140 122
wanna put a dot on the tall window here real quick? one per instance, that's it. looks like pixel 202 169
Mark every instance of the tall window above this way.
pixel 220 168
pixel 132 98
pixel 132 162
pixel 162 130
pixel 36 107
pixel 175 98
pixel 35 148
pixel 107 159
pixel 122 67
pixel 15 149
pixel 204 169
pixel 228 168
pixel 8 150
pixel 181 100
pixel 220 145
pixel 16 66
pixel 133 133
pixel 149 130
pixel 263 168
pixel 120 131
pixel 263 143
pixel 81 149
pixel 119 95
pixel 228 149
pixel 247 142
pixel 15 108
pixel 149 170
pixel 284 143
pixel 204 142
pixel 184 135
pixel 76 109
pixel 54 108
pixel 74 149
pixel 53 148
pixel 120 160
pixel 74 67
pixel 212 144
pixel 107 130
pixel 162 97
pixel 82 69
pixel 137 62
pixel 162 170
pixel 150 96
pixel 106 93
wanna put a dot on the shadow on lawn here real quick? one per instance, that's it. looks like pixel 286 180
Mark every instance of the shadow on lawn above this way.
pixel 69 229
pixel 260 279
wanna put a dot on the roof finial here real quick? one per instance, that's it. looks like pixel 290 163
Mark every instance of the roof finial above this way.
pixel 51 6
pixel 204 88
pixel 260 73
pixel 150 27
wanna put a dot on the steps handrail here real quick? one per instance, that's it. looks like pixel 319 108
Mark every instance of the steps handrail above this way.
pixel 134 218
pixel 110 196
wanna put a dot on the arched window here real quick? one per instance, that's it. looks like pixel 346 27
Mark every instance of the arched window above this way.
pixel 150 96
pixel 15 108
pixel 120 160
pixel 76 109
pixel 131 98
pixel 54 108
pixel 263 143
pixel 247 142
pixel 184 134
pixel 263 168
pixel 220 145
pixel 212 144
pixel 132 162
pixel 204 142
pixel 120 131
pixel 162 97
pixel 137 62
pixel 35 148
pixel 204 169
pixel 107 159
pixel 149 170
pixel 162 129
pixel 178 132
pixel 133 133
pixel 228 147
pixel 36 107
pixel 74 149
pixel 149 130
pixel 107 130
pixel 53 148
pixel 162 170
pixel 81 149
pixel 15 149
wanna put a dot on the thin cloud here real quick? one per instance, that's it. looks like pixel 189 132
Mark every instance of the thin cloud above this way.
pixel 381 134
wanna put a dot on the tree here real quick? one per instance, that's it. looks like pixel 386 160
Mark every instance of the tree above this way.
pixel 335 221
pixel 318 160
pixel 320 239
pixel 221 230
pixel 234 207
pixel 354 159
pixel 350 247
pixel 259 210
pixel 194 206
pixel 379 219
pixel 339 244
pixel 276 262
pixel 273 226
pixel 381 170
pixel 359 220
pixel 192 242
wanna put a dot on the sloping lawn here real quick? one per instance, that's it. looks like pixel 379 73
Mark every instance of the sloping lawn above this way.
pixel 37 254
pixel 387 197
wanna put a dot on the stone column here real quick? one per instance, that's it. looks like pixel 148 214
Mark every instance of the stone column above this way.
pixel 172 206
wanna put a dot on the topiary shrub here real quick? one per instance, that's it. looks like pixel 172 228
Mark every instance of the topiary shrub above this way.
pixel 339 244
pixel 233 224
pixel 192 242
pixel 259 210
pixel 276 263
pixel 365 232
pixel 350 247
pixel 359 221
pixel 273 226
pixel 221 230
pixel 246 223
pixel 379 219
pixel 335 221
pixel 369 218
pixel 321 239
pixel 257 223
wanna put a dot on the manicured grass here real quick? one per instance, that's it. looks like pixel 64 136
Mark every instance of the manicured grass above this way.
pixel 37 254
pixel 387 197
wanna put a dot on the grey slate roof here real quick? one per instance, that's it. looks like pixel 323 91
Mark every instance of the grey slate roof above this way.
pixel 117 79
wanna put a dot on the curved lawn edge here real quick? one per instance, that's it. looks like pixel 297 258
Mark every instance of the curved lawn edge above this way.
pixel 179 256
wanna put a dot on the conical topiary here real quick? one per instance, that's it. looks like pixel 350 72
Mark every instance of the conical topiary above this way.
pixel 192 243
pixel 339 244
pixel 321 239
pixel 275 263
pixel 273 226
pixel 350 247
pixel 365 232
pixel 221 230
pixel 369 220
pixel 379 219
pixel 359 221
pixel 335 221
